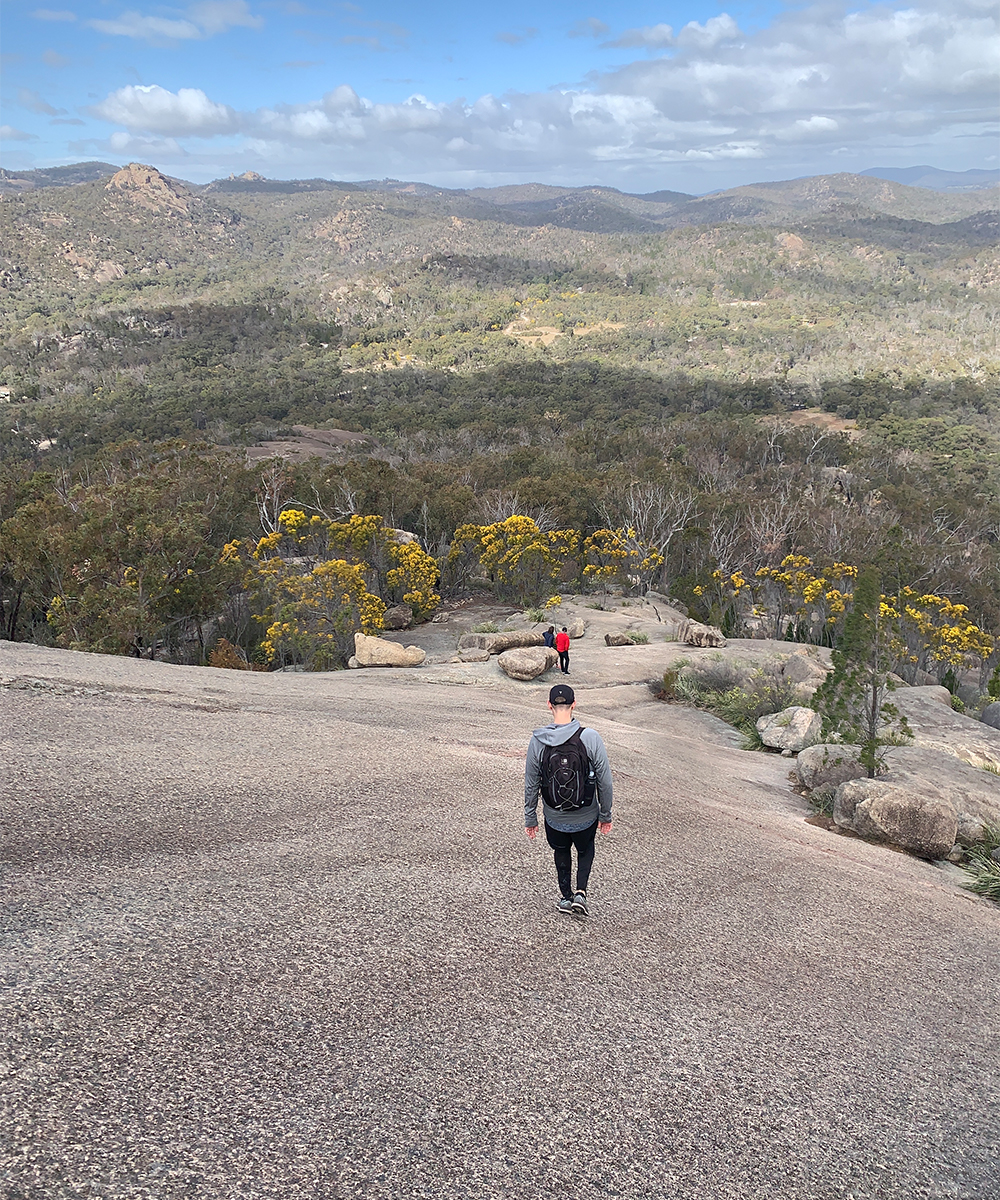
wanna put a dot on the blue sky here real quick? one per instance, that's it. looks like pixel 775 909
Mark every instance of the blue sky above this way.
pixel 641 96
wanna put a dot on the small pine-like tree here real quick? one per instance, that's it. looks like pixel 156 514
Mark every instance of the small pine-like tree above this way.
pixel 854 699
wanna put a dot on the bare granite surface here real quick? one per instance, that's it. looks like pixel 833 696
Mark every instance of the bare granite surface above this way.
pixel 283 936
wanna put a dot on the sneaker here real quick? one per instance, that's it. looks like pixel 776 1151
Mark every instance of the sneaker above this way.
pixel 566 905
pixel 579 904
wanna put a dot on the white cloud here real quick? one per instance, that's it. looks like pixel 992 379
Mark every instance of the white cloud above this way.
pixel 9 134
pixel 653 37
pixel 53 14
pixel 202 20
pixel 188 112
pixel 128 146
pixel 795 94
pixel 716 29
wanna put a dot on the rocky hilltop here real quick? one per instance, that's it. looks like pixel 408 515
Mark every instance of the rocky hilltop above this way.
pixel 148 188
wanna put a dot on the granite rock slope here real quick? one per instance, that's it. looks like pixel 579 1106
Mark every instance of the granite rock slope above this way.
pixel 283 936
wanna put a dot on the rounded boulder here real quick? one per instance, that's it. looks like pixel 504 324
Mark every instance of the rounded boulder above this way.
pixel 527 662
pixel 792 729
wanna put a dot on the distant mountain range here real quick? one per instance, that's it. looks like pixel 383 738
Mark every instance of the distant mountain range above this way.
pixel 937 181
pixel 539 197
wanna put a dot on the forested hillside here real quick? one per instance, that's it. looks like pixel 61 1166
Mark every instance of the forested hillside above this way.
pixel 807 367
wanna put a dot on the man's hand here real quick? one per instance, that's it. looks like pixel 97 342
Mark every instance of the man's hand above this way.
pixel 604 827
pixel 531 831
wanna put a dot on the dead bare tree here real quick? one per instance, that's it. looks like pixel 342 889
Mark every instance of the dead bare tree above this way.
pixel 343 505
pixel 728 545
pixel 770 526
pixel 498 505
pixel 272 495
pixel 656 512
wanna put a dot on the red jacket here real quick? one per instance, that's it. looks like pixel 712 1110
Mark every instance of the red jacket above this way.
pixel 562 642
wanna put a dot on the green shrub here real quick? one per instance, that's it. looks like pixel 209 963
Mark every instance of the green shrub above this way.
pixel 486 627
pixel 637 638
pixel 668 690
pixel 535 615
pixel 958 705
pixel 984 874
pixel 822 802
pixel 724 689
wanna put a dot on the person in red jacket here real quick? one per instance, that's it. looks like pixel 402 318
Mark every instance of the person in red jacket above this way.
pixel 562 648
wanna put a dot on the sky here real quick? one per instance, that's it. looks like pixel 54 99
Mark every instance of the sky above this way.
pixel 690 95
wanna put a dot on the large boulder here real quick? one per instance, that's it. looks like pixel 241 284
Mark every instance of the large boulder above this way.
pixel 922 822
pixel 936 726
pixel 972 792
pixel 824 767
pixel 497 643
pixel 527 662
pixel 802 668
pixel 693 633
pixel 398 616
pixel 618 639
pixel 576 629
pixel 377 652
pixel 792 729
pixel 991 715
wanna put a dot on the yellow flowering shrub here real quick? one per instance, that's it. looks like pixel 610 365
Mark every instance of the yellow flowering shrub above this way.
pixel 520 559
pixel 934 629
pixel 311 617
pixel 796 589
pixel 929 630
pixel 315 582
pixel 619 556
pixel 413 578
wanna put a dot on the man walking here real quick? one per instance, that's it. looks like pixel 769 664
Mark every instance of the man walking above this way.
pixel 562 648
pixel 568 766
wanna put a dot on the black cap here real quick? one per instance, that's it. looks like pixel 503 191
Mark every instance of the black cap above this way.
pixel 562 693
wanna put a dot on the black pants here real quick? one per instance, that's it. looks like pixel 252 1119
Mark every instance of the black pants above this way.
pixel 564 661
pixel 562 845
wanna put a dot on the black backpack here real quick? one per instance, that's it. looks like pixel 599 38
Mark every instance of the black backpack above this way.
pixel 568 779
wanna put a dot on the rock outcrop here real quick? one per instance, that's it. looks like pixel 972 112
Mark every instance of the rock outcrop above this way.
pixel 576 629
pixel 991 715
pixel 943 785
pixel 792 729
pixel 824 767
pixel 497 643
pixel 618 639
pixel 693 633
pixel 527 662
pixel 399 616
pixel 377 652
pixel 922 822
pixel 806 672
pixel 149 188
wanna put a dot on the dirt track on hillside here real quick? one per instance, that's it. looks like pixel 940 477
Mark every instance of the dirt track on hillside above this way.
pixel 283 936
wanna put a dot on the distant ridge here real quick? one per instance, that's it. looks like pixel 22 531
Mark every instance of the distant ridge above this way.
pixel 936 180
pixel 82 172
pixel 843 197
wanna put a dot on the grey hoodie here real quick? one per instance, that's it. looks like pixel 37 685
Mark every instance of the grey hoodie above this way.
pixel 566 822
